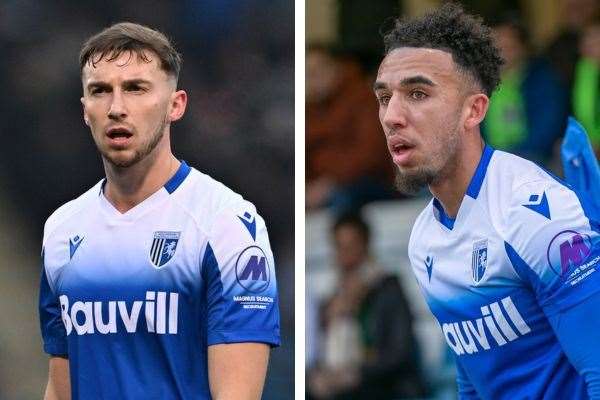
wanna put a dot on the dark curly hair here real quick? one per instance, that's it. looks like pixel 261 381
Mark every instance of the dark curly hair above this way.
pixel 450 29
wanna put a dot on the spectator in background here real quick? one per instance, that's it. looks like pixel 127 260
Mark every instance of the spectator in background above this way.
pixel 368 348
pixel 563 52
pixel 529 108
pixel 586 89
pixel 346 162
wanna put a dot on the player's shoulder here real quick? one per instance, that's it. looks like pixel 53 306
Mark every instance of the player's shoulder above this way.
pixel 526 199
pixel 70 210
pixel 209 200
pixel 517 174
pixel 521 185
pixel 422 223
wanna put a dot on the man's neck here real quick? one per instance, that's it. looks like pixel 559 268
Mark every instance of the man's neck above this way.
pixel 450 191
pixel 127 187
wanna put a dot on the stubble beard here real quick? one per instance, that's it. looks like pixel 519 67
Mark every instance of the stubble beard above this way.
pixel 413 181
pixel 139 154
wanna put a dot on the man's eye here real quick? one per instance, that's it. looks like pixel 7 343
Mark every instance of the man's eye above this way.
pixel 418 95
pixel 384 99
pixel 135 89
pixel 98 90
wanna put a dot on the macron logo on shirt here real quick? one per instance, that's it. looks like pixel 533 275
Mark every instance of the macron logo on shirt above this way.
pixel 471 336
pixel 250 223
pixel 539 204
pixel 74 245
pixel 429 266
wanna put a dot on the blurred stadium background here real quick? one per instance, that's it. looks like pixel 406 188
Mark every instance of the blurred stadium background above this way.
pixel 239 128
pixel 552 48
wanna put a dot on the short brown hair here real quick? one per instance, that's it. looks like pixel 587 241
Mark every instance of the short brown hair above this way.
pixel 133 38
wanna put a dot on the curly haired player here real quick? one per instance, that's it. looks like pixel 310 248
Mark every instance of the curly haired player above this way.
pixel 505 254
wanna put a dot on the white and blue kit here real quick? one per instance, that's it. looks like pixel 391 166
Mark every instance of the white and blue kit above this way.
pixel 513 281
pixel 133 299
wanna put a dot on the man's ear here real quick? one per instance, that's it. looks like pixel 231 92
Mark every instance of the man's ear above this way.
pixel 178 105
pixel 85 117
pixel 477 106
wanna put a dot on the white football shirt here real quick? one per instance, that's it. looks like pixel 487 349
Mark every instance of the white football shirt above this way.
pixel 520 250
pixel 133 299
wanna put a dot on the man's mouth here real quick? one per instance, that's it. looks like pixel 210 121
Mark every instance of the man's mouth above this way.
pixel 400 150
pixel 119 135
pixel 115 133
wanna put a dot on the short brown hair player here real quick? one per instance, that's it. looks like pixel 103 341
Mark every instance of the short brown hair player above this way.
pixel 159 281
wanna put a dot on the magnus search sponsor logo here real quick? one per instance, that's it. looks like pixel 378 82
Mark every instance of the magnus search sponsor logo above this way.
pixel 568 250
pixel 252 270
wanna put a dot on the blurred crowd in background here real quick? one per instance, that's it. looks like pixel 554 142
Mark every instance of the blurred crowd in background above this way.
pixel 239 128
pixel 349 171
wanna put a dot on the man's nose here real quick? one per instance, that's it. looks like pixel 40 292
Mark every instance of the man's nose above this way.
pixel 117 109
pixel 395 115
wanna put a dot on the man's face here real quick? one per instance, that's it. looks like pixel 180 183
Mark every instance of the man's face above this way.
pixel 127 105
pixel 321 74
pixel 421 98
pixel 350 247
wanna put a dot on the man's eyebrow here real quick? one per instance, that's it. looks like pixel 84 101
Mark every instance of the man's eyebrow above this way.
pixel 137 81
pixel 379 85
pixel 94 84
pixel 417 80
pixel 128 82
pixel 411 80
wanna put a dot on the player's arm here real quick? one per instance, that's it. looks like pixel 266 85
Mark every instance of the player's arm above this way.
pixel 59 386
pixel 578 331
pixel 241 300
pixel 237 371
pixel 55 341
pixel 558 255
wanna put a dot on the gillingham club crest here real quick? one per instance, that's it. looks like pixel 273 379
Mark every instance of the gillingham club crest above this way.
pixel 479 259
pixel 163 247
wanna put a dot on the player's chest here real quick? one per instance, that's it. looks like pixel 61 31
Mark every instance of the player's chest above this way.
pixel 475 258
pixel 474 292
pixel 159 253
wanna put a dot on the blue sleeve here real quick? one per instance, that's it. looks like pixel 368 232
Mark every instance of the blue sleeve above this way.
pixel 466 390
pixel 239 277
pixel 557 251
pixel 554 244
pixel 580 165
pixel 578 331
pixel 53 330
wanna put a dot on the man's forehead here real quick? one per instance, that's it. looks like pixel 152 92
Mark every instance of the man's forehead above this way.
pixel 404 62
pixel 127 65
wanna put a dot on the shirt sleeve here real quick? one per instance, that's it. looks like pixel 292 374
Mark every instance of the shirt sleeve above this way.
pixel 239 276
pixel 558 256
pixel 553 244
pixel 53 330
pixel 578 331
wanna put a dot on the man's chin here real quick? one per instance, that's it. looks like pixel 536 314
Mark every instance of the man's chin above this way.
pixel 124 159
pixel 412 182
